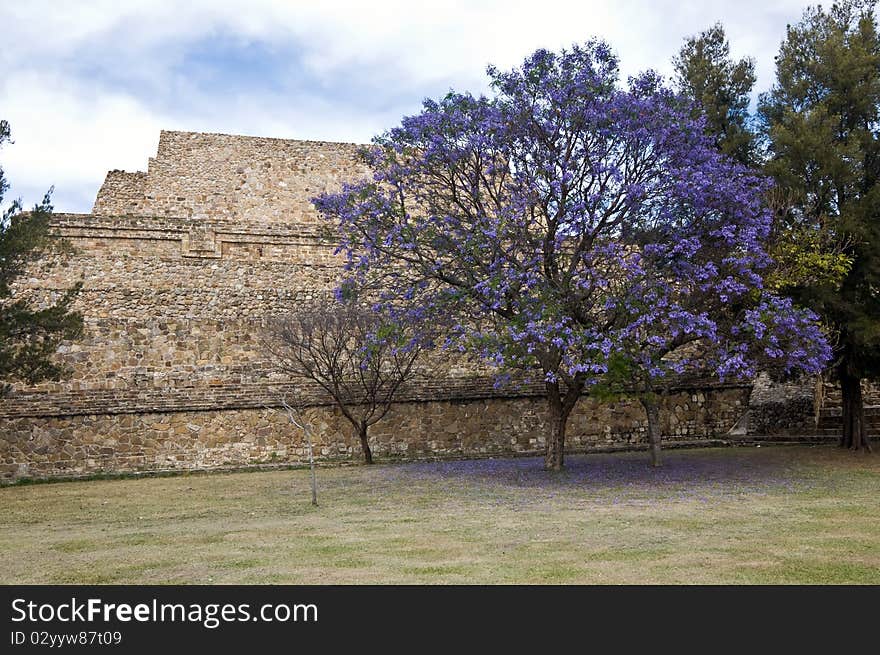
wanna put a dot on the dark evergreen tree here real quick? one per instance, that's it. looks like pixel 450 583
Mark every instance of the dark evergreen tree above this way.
pixel 820 121
pixel 720 86
pixel 30 332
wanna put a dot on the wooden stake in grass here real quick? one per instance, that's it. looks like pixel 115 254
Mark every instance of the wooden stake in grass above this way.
pixel 297 418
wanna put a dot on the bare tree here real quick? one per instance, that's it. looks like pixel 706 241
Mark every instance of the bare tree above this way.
pixel 357 356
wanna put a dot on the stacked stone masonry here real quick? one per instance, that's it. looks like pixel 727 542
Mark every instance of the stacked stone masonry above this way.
pixel 181 267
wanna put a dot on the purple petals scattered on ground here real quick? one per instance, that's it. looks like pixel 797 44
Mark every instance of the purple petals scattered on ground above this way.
pixel 692 474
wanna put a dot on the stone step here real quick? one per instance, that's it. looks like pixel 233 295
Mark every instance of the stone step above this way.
pixel 832 425
pixel 872 427
pixel 871 411
pixel 837 425
pixel 787 439
pixel 820 435
pixel 836 422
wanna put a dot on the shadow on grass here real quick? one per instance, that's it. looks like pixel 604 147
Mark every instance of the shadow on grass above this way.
pixel 740 469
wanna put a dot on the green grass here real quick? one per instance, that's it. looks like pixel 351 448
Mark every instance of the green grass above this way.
pixel 736 515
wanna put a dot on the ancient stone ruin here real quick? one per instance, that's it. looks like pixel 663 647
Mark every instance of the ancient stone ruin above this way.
pixel 182 264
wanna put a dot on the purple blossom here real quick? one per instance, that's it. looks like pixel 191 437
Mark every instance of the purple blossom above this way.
pixel 568 221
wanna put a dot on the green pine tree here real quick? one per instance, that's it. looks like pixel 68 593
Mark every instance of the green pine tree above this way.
pixel 820 121
pixel 720 86
pixel 29 335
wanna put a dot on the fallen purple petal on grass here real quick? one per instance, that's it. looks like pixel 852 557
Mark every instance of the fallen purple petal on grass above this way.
pixel 686 475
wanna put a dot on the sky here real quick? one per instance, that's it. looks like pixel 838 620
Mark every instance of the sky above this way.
pixel 86 86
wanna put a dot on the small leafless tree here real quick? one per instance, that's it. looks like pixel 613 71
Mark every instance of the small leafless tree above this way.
pixel 355 355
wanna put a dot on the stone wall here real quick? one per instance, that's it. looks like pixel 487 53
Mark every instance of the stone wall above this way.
pixel 181 267
pixel 806 406
pixel 830 395
pixel 70 446
pixel 253 180
pixel 784 408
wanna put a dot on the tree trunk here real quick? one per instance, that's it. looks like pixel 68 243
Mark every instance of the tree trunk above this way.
pixel 855 433
pixel 365 444
pixel 314 479
pixel 554 458
pixel 652 410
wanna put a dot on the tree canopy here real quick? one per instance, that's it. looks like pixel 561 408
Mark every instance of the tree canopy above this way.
pixel 356 356
pixel 821 121
pixel 29 333
pixel 720 88
pixel 565 221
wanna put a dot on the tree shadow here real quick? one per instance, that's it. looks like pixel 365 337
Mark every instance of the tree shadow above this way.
pixel 729 470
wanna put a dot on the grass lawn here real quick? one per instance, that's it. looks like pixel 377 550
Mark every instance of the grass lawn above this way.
pixel 780 514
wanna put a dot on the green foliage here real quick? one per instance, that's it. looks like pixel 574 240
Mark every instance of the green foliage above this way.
pixel 820 121
pixel 618 381
pixel 806 256
pixel 705 72
pixel 805 252
pixel 29 335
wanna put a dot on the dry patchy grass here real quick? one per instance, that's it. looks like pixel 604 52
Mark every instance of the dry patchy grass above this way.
pixel 743 515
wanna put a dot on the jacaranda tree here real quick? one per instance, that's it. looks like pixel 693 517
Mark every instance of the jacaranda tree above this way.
pixel 566 224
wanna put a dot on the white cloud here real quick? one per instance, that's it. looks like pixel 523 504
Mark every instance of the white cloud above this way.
pixel 424 40
pixel 67 134
pixel 88 85
pixel 57 123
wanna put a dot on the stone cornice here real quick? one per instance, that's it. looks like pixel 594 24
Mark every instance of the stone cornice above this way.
pixel 175 228
pixel 237 395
